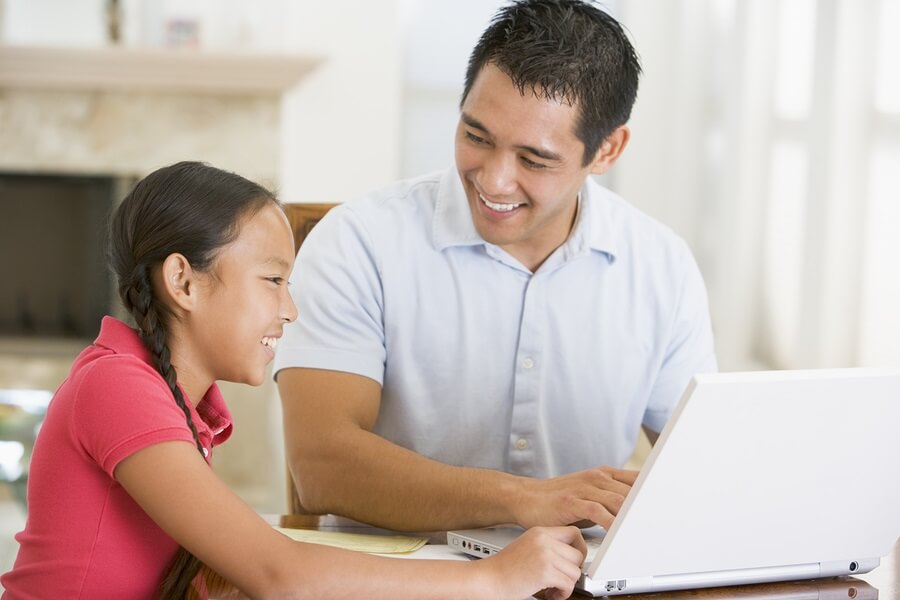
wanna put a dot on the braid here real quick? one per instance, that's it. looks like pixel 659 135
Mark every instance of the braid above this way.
pixel 177 584
pixel 141 304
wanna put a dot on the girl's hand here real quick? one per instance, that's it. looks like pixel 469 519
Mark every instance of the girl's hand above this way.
pixel 543 558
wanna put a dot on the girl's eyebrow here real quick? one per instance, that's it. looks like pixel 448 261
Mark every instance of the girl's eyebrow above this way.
pixel 280 262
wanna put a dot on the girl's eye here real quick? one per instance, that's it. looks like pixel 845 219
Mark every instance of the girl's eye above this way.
pixel 276 280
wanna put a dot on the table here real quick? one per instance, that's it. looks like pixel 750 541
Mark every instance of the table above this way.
pixel 882 583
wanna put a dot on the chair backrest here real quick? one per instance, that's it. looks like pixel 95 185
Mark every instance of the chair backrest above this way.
pixel 302 217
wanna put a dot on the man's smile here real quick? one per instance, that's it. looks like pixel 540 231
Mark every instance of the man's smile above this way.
pixel 500 207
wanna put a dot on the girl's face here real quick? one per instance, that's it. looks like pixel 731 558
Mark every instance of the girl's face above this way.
pixel 242 304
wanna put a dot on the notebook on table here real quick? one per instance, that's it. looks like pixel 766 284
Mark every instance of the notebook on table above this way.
pixel 757 477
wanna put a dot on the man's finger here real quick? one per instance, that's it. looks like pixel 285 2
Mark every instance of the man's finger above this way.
pixel 587 510
pixel 627 476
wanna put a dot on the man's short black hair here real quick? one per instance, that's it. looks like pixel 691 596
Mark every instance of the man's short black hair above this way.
pixel 567 50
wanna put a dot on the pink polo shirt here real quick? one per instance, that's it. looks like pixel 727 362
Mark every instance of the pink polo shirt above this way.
pixel 85 537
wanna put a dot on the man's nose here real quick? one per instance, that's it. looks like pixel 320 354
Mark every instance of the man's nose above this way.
pixel 498 177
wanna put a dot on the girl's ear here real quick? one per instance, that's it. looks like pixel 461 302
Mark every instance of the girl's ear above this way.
pixel 178 285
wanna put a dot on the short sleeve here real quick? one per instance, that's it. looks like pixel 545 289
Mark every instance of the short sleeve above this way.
pixel 122 406
pixel 689 349
pixel 336 285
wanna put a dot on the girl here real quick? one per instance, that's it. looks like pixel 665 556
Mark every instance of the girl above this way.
pixel 120 476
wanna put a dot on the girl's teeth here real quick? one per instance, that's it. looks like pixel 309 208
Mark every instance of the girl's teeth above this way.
pixel 270 342
pixel 498 207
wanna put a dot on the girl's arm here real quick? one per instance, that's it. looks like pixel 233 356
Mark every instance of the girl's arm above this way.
pixel 177 489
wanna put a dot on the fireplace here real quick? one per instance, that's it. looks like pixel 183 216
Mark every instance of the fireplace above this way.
pixel 55 280
pixel 78 127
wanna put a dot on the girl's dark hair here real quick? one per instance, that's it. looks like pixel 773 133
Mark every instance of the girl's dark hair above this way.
pixel 189 208
pixel 567 50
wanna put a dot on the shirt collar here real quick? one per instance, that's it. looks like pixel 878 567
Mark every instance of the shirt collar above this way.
pixel 452 224
pixel 122 339
pixel 211 413
pixel 594 225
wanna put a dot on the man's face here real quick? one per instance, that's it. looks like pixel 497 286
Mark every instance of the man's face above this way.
pixel 521 166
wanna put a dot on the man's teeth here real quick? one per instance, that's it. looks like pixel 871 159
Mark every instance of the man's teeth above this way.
pixel 498 207
pixel 269 342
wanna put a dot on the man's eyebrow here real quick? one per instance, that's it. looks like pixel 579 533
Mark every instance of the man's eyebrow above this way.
pixel 473 122
pixel 539 152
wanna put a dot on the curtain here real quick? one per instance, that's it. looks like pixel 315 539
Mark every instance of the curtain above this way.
pixel 767 133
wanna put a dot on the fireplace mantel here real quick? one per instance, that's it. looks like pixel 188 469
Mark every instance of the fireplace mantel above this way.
pixel 149 70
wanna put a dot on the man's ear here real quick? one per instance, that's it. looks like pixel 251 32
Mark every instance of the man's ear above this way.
pixel 178 282
pixel 610 150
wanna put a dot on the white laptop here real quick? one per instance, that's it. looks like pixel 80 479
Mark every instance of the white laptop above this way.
pixel 757 477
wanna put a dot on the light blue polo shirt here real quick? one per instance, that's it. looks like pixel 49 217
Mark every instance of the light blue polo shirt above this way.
pixel 483 363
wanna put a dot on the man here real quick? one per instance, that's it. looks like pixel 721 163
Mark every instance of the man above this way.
pixel 473 347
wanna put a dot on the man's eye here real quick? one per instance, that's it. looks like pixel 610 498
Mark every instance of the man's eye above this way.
pixel 474 138
pixel 531 164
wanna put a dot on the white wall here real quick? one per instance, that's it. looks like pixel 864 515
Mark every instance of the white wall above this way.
pixel 434 76
pixel 342 125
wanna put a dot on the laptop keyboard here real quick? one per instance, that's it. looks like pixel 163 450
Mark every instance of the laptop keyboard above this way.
pixel 593 546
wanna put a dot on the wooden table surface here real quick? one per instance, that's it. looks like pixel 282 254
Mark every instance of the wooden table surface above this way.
pixel 882 583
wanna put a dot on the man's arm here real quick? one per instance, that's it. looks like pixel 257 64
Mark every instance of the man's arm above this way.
pixel 689 346
pixel 340 466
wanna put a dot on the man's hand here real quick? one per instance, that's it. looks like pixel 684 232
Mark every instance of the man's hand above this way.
pixel 583 498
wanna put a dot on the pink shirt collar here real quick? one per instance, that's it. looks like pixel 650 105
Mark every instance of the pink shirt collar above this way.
pixel 211 415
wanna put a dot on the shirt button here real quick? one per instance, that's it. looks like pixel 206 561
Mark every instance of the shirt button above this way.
pixel 205 453
pixel 521 444
pixel 527 363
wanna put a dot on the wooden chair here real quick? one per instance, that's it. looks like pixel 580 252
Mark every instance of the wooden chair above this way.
pixel 303 217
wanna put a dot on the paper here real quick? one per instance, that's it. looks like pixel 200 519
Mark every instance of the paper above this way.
pixel 375 544
pixel 434 552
